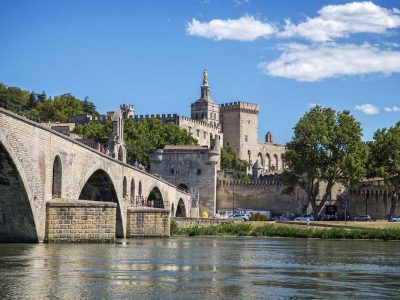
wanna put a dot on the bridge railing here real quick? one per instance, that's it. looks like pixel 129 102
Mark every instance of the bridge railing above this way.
pixel 142 202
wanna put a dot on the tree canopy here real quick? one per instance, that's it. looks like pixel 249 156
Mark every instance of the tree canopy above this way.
pixel 43 108
pixel 326 149
pixel 384 160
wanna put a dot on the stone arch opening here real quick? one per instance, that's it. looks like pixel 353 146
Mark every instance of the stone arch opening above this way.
pixel 180 209
pixel 140 189
pixel 124 188
pixel 183 187
pixel 17 222
pixel 120 153
pixel 155 198
pixel 276 162
pixel 100 187
pixel 261 159
pixel 268 162
pixel 133 191
pixel 57 177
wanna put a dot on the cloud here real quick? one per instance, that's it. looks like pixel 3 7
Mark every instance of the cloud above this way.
pixel 246 28
pixel 317 62
pixel 367 109
pixel 392 109
pixel 336 21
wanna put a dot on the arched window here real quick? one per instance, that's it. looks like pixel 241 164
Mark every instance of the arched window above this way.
pixel 260 159
pixel 268 162
pixel 57 177
pixel 133 191
pixel 124 188
pixel 276 162
pixel 140 188
pixel 120 154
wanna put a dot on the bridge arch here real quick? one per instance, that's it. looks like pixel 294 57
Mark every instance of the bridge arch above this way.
pixel 18 219
pixel 100 187
pixel 183 187
pixel 156 198
pixel 181 209
pixel 57 177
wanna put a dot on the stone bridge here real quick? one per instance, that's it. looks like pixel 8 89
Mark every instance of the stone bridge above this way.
pixel 39 166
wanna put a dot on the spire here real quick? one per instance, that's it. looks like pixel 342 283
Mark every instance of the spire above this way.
pixel 205 79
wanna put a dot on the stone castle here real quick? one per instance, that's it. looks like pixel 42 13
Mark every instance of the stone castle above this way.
pixel 233 124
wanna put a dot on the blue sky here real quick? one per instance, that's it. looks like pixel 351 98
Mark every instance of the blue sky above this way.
pixel 284 55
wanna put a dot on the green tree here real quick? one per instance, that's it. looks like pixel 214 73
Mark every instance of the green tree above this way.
pixel 229 160
pixel 326 149
pixel 94 130
pixel 384 160
pixel 13 98
pixel 89 107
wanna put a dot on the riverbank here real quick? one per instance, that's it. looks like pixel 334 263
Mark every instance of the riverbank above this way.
pixel 272 229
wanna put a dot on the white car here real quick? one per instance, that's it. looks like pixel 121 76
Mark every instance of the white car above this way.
pixel 242 217
pixel 394 219
pixel 304 218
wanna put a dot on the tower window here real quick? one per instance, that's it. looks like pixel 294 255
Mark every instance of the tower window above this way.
pixel 172 171
pixel 246 138
pixel 198 132
pixel 205 134
pixel 198 171
pixel 197 116
pixel 190 129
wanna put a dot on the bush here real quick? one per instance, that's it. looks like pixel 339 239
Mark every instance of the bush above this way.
pixel 258 217
pixel 173 228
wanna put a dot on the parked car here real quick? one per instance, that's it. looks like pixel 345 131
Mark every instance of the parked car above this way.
pixel 304 218
pixel 242 217
pixel 362 218
pixel 394 219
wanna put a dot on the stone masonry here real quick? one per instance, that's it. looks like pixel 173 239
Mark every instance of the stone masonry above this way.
pixel 41 164
pixel 144 222
pixel 80 221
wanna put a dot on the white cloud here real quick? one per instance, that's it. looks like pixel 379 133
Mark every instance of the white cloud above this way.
pixel 392 109
pixel 246 28
pixel 314 63
pixel 335 21
pixel 367 109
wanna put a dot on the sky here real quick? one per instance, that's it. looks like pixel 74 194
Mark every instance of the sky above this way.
pixel 286 56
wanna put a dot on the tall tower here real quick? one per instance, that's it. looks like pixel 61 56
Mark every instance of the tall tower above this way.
pixel 205 109
pixel 240 126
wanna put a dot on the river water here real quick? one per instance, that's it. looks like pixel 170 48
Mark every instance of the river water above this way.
pixel 202 268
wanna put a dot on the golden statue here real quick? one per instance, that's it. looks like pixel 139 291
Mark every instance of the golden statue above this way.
pixel 205 80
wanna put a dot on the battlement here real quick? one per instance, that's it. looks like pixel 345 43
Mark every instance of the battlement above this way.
pixel 240 106
pixel 202 123
pixel 233 182
pixel 161 117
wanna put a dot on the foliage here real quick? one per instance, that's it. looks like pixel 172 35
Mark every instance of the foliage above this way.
pixel 141 136
pixel 274 230
pixel 384 159
pixel 42 108
pixel 258 217
pixel 173 228
pixel 326 148
pixel 94 130
pixel 230 161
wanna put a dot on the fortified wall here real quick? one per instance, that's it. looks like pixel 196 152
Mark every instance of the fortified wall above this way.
pixel 260 195
pixel 370 197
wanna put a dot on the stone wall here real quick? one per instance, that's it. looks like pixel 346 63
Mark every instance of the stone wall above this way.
pixel 148 222
pixel 80 221
pixel 188 222
pixel 260 195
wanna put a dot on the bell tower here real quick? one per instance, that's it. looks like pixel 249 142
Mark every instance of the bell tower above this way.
pixel 205 109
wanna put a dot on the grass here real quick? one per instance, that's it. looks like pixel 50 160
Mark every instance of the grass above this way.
pixel 283 230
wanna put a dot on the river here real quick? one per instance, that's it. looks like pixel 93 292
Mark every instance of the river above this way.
pixel 202 268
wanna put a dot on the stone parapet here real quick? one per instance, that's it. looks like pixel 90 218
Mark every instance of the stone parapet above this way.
pixel 80 221
pixel 148 222
pixel 240 106
pixel 189 222
pixel 260 183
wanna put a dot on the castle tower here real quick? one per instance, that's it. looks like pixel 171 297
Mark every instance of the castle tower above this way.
pixel 205 109
pixel 240 126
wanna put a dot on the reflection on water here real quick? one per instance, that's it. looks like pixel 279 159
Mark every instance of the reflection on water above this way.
pixel 189 268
